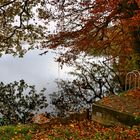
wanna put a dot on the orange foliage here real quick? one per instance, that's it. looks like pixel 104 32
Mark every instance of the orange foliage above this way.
pixel 134 93
pixel 101 24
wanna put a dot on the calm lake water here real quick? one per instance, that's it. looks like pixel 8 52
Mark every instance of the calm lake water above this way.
pixel 41 71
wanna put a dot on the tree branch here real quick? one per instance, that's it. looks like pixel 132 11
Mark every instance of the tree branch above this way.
pixel 21 21
pixel 6 4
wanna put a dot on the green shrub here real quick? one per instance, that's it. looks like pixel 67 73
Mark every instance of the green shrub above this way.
pixel 19 102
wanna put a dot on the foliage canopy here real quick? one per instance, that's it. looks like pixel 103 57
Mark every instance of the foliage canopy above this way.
pixel 97 26
pixel 19 23
pixel 92 26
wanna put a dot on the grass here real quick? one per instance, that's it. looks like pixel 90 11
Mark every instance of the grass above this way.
pixel 19 132
pixel 88 130
pixel 84 130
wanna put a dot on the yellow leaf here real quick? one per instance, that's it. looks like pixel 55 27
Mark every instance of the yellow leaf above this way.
pixel 71 125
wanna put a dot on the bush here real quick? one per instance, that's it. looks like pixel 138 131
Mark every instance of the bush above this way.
pixel 19 102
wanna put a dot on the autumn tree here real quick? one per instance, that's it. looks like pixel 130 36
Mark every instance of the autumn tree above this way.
pixel 101 27
pixel 89 25
pixel 98 26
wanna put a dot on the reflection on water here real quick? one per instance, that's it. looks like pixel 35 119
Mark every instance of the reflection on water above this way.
pixel 41 71
pixel 35 69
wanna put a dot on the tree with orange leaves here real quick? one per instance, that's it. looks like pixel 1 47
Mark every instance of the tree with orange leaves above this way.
pixel 109 27
pixel 99 27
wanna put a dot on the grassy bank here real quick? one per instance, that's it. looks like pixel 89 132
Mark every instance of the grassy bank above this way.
pixel 84 130
pixel 18 132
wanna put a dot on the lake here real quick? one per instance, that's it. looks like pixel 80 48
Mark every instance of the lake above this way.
pixel 41 71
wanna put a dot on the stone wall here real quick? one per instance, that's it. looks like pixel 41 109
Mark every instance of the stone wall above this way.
pixel 109 116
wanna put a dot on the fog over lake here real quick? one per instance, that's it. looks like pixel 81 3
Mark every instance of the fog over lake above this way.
pixel 41 71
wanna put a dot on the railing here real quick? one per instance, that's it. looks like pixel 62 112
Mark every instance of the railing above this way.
pixel 132 80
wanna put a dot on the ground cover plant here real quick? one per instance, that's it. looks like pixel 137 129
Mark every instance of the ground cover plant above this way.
pixel 88 130
pixel 18 132
pixel 83 130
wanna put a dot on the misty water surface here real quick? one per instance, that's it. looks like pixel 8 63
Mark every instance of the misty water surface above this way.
pixel 41 71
